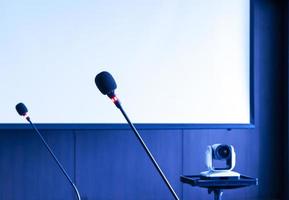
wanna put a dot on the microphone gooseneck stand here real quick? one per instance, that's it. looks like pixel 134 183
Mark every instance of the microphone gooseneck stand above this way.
pixel 118 105
pixel 54 157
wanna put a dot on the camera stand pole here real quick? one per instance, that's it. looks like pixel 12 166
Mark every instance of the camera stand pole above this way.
pixel 217 193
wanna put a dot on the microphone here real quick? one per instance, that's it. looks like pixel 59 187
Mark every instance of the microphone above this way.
pixel 106 84
pixel 23 111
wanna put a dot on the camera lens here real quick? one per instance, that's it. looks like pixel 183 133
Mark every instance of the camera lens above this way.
pixel 223 152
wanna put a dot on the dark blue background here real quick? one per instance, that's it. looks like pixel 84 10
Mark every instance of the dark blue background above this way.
pixel 110 164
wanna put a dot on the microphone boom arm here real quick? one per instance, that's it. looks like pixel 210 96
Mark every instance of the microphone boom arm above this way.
pixel 55 158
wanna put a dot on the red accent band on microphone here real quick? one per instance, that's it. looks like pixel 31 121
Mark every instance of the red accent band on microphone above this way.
pixel 114 99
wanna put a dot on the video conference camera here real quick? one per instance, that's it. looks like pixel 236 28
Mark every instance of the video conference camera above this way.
pixel 220 160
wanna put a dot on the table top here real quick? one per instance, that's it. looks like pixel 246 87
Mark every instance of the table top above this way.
pixel 221 183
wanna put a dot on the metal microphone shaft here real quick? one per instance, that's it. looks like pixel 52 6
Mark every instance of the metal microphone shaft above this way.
pixel 117 103
pixel 106 84
pixel 54 157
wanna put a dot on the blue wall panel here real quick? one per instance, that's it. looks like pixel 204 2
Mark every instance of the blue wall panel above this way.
pixel 112 164
pixel 271 64
pixel 27 170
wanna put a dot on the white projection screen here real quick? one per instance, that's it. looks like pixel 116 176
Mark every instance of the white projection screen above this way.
pixel 174 61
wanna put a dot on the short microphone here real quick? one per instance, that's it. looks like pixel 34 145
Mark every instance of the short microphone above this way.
pixel 106 84
pixel 23 111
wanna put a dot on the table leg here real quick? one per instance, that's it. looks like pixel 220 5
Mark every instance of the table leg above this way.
pixel 218 194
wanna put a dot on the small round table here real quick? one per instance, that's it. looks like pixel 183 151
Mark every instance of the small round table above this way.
pixel 217 185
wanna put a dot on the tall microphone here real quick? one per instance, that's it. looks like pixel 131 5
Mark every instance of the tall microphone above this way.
pixel 23 111
pixel 106 84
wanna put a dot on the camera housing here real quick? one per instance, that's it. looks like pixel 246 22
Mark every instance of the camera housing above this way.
pixel 220 154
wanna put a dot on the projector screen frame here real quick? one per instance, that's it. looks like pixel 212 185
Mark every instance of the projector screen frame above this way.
pixel 122 126
pixel 147 126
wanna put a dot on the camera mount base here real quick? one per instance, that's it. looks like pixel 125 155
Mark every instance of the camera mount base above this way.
pixel 220 174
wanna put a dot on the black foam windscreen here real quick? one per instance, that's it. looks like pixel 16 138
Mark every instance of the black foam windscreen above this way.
pixel 21 109
pixel 105 83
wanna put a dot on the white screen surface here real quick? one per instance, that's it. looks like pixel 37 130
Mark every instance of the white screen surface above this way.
pixel 175 61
